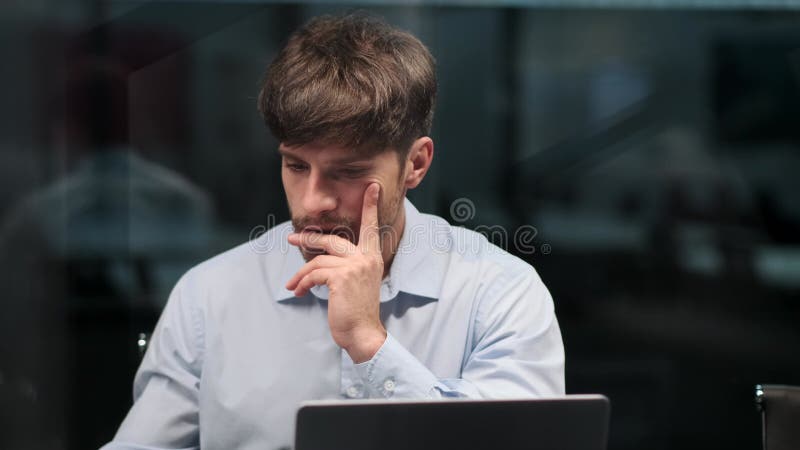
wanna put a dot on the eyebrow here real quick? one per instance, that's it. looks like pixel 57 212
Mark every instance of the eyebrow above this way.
pixel 340 161
pixel 287 153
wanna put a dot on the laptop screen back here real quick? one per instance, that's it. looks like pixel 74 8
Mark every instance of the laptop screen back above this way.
pixel 567 423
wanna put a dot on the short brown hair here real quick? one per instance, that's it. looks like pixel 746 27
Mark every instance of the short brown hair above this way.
pixel 352 81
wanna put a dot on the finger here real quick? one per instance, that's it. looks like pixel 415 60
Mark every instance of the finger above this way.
pixel 369 237
pixel 332 244
pixel 314 278
pixel 319 262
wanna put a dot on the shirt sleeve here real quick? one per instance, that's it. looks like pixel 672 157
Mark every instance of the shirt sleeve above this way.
pixel 166 387
pixel 515 351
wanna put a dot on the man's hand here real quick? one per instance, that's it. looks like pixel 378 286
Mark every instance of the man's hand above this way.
pixel 353 274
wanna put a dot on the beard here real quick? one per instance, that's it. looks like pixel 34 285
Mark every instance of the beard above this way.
pixel 348 227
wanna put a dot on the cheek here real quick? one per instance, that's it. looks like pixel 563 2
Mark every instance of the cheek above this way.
pixel 293 188
pixel 386 187
pixel 289 185
pixel 350 197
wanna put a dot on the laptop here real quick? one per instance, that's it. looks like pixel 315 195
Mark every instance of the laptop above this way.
pixel 573 422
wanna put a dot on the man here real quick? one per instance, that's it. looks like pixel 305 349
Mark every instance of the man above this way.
pixel 370 298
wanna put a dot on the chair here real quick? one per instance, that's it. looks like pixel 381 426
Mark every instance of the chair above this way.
pixel 779 406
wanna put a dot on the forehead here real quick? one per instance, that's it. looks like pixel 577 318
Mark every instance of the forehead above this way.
pixel 332 154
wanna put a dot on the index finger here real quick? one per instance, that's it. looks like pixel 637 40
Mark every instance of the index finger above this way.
pixel 369 236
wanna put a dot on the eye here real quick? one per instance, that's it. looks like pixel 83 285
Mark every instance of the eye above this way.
pixel 295 167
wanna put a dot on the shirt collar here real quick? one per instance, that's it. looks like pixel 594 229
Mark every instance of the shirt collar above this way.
pixel 414 270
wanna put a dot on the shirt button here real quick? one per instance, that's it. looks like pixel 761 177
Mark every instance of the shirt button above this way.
pixel 354 391
pixel 388 385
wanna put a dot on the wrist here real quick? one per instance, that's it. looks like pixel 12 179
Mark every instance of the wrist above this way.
pixel 365 345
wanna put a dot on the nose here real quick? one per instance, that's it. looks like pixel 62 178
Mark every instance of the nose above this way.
pixel 318 197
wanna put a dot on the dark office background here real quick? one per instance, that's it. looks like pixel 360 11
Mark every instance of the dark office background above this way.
pixel 654 149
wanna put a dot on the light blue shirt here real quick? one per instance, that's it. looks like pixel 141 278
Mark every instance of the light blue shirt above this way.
pixel 234 352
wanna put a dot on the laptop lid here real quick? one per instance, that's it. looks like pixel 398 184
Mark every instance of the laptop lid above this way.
pixel 574 422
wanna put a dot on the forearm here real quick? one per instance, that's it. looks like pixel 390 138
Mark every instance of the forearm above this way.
pixel 395 373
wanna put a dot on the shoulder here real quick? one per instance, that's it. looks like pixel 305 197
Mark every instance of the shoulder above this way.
pixel 467 262
pixel 471 250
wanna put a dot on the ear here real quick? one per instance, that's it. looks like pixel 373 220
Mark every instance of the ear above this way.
pixel 418 161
